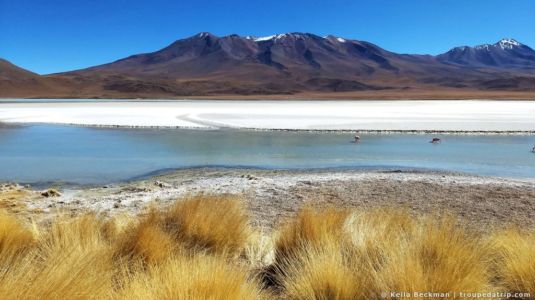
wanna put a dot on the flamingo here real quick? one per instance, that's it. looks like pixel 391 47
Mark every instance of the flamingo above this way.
pixel 435 141
pixel 533 150
pixel 357 138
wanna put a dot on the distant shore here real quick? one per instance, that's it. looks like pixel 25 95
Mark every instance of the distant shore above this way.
pixel 396 94
pixel 274 195
pixel 431 116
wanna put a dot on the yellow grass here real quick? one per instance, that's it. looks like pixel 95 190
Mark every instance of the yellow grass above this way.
pixel 15 240
pixel 309 228
pixel 203 248
pixel 380 251
pixel 438 256
pixel 146 242
pixel 70 261
pixel 515 260
pixel 198 277
pixel 323 272
pixel 218 224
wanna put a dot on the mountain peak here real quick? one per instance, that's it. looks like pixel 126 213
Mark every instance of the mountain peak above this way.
pixel 203 35
pixel 503 44
pixel 508 43
pixel 506 53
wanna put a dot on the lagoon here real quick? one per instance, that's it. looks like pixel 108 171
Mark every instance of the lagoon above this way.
pixel 87 155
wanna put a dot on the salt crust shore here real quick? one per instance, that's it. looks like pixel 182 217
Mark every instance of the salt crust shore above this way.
pixel 273 195
pixel 423 116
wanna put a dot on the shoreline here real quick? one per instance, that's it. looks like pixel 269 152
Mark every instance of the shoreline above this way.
pixel 165 172
pixel 389 94
pixel 363 169
pixel 273 196
pixel 291 130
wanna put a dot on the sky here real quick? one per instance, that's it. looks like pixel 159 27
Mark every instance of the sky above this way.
pixel 48 36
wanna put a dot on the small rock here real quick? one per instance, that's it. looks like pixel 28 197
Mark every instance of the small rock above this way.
pixel 161 184
pixel 50 193
pixel 251 177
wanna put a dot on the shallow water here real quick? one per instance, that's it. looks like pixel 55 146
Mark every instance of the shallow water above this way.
pixel 42 153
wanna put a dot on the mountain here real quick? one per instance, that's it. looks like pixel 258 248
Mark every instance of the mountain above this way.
pixel 283 62
pixel 298 63
pixel 9 71
pixel 505 54
pixel 15 80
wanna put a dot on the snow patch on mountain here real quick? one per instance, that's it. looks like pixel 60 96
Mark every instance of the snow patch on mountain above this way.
pixel 483 47
pixel 271 37
pixel 508 44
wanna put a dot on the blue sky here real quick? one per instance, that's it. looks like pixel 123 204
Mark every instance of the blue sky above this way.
pixel 60 35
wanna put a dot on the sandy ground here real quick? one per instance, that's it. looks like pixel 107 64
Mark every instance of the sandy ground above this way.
pixel 424 115
pixel 272 196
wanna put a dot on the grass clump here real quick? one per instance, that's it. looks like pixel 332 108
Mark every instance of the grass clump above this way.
pixel 217 224
pixel 210 224
pixel 15 240
pixel 323 273
pixel 360 255
pixel 145 242
pixel 69 261
pixel 439 256
pixel 191 277
pixel 515 260
pixel 309 228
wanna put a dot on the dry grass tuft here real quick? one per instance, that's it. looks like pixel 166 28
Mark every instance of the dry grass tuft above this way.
pixel 325 272
pixel 259 251
pixel 217 224
pixel 70 261
pixel 67 234
pixel 309 228
pixel 438 256
pixel 515 260
pixel 15 239
pixel 211 224
pixel 146 242
pixel 367 253
pixel 197 277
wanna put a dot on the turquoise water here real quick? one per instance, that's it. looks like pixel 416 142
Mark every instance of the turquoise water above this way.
pixel 43 153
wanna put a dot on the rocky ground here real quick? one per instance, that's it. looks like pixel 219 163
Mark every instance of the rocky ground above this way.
pixel 273 195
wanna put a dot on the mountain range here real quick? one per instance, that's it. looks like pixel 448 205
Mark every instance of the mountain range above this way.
pixel 287 65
